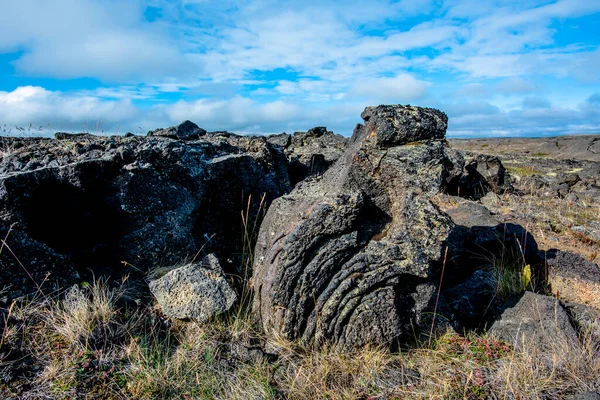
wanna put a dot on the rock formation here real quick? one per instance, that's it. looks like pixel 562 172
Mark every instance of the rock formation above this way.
pixel 310 153
pixel 128 203
pixel 350 252
pixel 353 257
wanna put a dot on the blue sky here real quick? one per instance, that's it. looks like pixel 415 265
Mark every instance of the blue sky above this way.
pixel 497 68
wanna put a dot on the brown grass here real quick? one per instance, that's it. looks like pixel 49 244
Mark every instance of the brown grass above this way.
pixel 85 344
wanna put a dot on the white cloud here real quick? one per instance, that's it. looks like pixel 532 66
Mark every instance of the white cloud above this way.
pixel 40 107
pixel 585 69
pixel 88 38
pixel 515 85
pixel 399 89
pixel 552 120
pixel 477 108
pixel 536 102
pixel 76 112
pixel 474 90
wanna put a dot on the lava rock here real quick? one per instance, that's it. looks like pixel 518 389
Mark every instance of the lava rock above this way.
pixel 467 304
pixel 187 130
pixel 481 240
pixel 116 205
pixel 483 174
pixel 310 153
pixel 535 319
pixel 395 125
pixel 351 258
pixel 198 291
pixel 573 278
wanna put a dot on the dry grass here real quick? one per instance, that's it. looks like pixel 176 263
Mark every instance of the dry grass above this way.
pixel 564 369
pixel 553 221
pixel 87 345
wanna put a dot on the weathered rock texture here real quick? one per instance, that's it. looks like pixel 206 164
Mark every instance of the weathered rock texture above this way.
pixel 310 153
pixel 482 174
pixel 352 257
pixel 90 204
pixel 197 291
pixel 535 319
pixel 573 278
pixel 187 130
pixel 481 245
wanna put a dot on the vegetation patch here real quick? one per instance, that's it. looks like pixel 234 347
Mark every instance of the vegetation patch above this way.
pixel 90 343
pixel 522 171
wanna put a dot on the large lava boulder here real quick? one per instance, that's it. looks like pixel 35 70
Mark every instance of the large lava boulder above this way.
pixel 353 257
pixel 126 204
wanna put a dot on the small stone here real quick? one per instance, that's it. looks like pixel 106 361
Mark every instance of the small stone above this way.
pixel 187 130
pixel 196 291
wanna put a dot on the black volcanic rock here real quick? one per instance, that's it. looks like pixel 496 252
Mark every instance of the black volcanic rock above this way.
pixel 395 125
pixel 128 204
pixel 310 153
pixel 350 252
pixel 187 130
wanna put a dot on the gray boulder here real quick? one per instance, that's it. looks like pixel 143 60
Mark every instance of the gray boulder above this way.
pixel 535 319
pixel 573 278
pixel 197 291
pixel 351 258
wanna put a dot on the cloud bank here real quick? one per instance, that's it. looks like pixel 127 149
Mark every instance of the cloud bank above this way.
pixel 498 68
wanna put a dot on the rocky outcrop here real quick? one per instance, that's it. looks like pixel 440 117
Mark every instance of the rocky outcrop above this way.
pixel 353 257
pixel 310 153
pixel 197 291
pixel 127 204
pixel 482 238
pixel 483 174
pixel 483 248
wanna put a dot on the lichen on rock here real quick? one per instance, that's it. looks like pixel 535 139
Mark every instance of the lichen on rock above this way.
pixel 352 258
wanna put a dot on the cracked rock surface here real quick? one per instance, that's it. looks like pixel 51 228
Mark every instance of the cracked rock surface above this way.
pixel 82 203
pixel 351 257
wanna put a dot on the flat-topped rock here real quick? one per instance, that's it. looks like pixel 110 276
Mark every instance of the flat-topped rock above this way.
pixel 573 278
pixel 395 125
